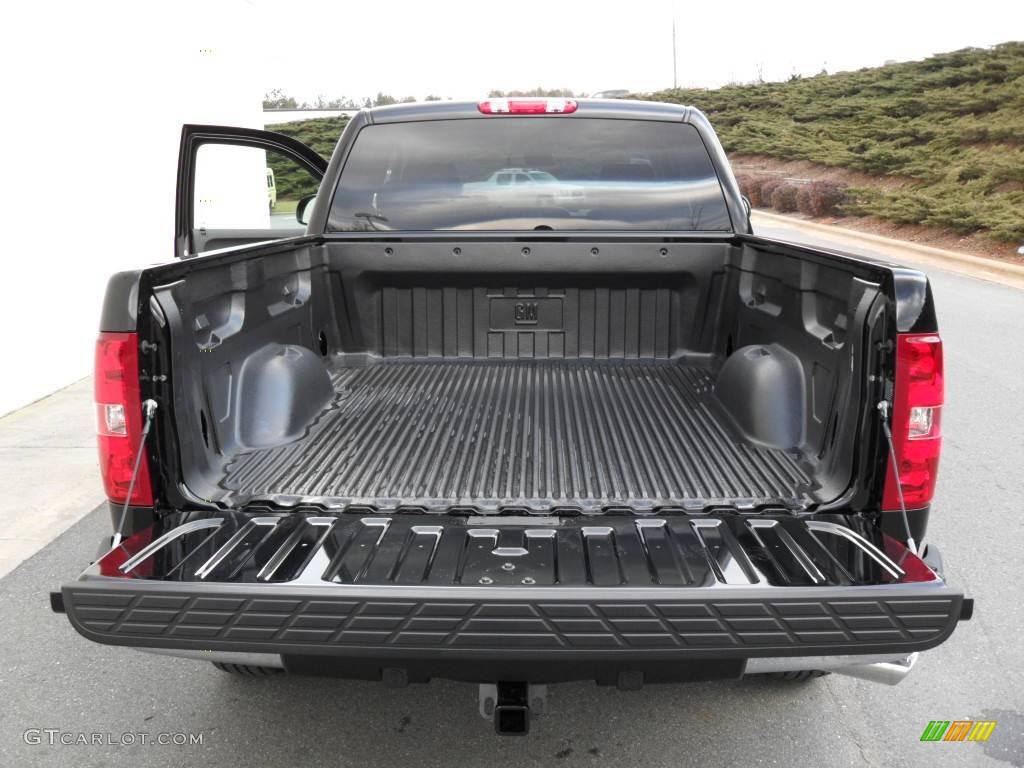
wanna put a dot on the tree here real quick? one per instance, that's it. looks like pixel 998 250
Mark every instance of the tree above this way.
pixel 554 92
pixel 383 99
pixel 431 97
pixel 277 99
pixel 342 102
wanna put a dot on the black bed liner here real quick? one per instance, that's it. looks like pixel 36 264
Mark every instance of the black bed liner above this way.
pixel 587 434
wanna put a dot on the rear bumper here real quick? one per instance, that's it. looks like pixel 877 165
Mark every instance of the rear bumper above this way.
pixel 354 611
pixel 466 622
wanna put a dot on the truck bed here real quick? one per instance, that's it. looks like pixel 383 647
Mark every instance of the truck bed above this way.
pixel 585 434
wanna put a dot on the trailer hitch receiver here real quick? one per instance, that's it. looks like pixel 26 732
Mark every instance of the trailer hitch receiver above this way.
pixel 511 704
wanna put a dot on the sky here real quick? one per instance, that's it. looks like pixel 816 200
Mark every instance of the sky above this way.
pixel 463 50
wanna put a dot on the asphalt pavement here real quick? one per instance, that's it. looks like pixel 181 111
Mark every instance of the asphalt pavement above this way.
pixel 50 678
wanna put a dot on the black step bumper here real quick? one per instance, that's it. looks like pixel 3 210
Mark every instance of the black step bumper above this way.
pixel 618 589
pixel 475 622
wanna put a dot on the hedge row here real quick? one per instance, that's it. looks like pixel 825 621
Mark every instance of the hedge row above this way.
pixel 817 198
pixel 951 124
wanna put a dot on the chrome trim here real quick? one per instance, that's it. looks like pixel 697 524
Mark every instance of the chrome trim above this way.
pixel 543 533
pixel 748 571
pixel 726 557
pixel 218 557
pixel 885 672
pixel 709 523
pixel 295 538
pixel 155 546
pixel 428 530
pixel 878 668
pixel 798 553
pixel 873 552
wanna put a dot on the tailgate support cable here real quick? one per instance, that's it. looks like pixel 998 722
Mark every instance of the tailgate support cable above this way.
pixel 883 408
pixel 149 407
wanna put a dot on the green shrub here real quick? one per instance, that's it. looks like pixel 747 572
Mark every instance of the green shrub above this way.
pixel 320 135
pixel 952 123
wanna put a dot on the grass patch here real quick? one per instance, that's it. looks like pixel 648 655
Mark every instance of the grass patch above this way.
pixel 285 206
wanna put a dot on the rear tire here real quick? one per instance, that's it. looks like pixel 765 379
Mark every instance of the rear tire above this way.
pixel 800 676
pixel 247 670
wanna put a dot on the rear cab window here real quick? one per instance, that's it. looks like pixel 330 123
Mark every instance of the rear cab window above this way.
pixel 529 173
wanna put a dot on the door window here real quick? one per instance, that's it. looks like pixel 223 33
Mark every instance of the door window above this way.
pixel 246 188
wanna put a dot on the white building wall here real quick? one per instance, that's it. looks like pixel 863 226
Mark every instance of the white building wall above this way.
pixel 96 96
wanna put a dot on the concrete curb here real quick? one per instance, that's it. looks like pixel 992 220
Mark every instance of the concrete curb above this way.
pixel 991 266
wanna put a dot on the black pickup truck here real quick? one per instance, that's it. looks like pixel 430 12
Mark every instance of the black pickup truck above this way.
pixel 515 398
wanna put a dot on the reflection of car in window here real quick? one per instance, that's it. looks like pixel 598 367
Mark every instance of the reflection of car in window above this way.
pixel 517 183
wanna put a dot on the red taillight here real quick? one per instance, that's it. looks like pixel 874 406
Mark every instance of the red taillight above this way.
pixel 528 106
pixel 916 420
pixel 119 417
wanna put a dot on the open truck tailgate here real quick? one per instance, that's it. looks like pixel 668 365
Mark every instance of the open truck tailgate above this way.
pixel 667 587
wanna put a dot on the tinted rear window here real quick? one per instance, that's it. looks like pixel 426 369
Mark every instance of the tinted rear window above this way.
pixel 528 173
